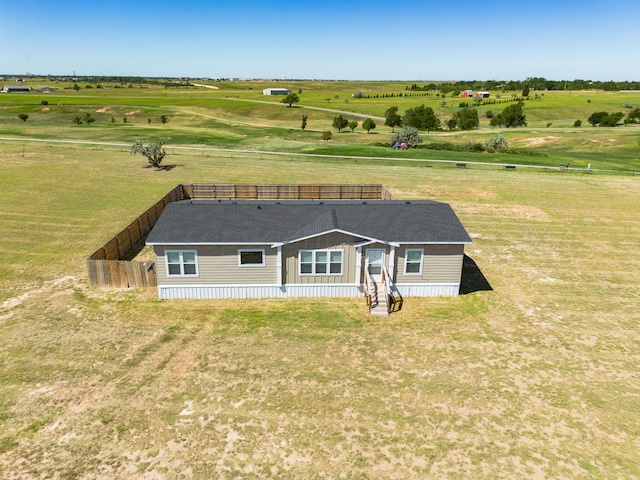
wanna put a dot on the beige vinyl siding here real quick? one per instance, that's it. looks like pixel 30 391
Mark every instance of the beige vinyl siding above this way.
pixel 218 265
pixel 441 264
pixel 330 241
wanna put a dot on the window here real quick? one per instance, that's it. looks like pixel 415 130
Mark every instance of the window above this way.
pixel 413 261
pixel 182 263
pixel 320 262
pixel 251 258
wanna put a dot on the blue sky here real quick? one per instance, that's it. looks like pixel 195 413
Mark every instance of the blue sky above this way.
pixel 352 40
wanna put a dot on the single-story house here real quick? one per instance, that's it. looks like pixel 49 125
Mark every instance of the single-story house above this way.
pixel 276 91
pixel 16 89
pixel 302 248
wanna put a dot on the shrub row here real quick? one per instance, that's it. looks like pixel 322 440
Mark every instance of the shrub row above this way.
pixel 478 148
pixel 472 147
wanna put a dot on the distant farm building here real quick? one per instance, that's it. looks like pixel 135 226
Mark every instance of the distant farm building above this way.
pixel 467 94
pixel 276 91
pixel 16 89
pixel 46 90
pixel 482 94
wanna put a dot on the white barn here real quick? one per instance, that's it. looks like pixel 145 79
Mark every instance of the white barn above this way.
pixel 276 91
pixel 16 89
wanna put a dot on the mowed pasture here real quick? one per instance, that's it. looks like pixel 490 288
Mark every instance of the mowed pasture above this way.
pixel 238 116
pixel 532 373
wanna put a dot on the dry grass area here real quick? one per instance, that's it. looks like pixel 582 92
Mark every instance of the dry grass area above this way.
pixel 536 378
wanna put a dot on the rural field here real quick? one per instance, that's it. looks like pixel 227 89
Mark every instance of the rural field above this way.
pixel 531 373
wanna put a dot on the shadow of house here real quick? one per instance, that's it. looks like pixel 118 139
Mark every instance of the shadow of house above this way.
pixel 473 280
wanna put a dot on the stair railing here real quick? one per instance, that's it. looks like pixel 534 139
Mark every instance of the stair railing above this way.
pixel 394 298
pixel 368 289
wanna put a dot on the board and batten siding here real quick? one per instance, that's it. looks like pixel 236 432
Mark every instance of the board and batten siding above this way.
pixel 218 265
pixel 442 264
pixel 330 241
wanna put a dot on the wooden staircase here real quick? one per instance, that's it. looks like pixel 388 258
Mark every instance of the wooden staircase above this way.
pixel 382 297
pixel 379 304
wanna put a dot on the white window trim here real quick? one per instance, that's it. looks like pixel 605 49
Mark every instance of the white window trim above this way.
pixel 328 263
pixel 252 265
pixel 406 262
pixel 181 253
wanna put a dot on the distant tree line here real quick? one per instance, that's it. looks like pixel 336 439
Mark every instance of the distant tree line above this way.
pixel 533 83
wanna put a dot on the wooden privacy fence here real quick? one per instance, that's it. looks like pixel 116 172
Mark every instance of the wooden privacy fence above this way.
pixel 286 192
pixel 112 264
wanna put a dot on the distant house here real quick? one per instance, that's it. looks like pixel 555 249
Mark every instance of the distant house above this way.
pixel 295 248
pixel 16 89
pixel 276 91
pixel 466 94
pixel 46 90
pixel 482 94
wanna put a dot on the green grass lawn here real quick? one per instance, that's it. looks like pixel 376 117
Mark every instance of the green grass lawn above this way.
pixel 535 378
pixel 238 116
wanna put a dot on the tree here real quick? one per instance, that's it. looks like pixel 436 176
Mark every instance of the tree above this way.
pixel 77 120
pixel 452 123
pixel 326 136
pixel 467 118
pixel 392 119
pixel 353 125
pixel 291 98
pixel 154 151
pixel 368 124
pixel 408 135
pixel 577 123
pixel 496 143
pixel 525 90
pixel 304 122
pixel 23 116
pixel 596 117
pixel 422 118
pixel 633 116
pixel 164 119
pixel 512 116
pixel 612 119
pixel 88 119
pixel 339 123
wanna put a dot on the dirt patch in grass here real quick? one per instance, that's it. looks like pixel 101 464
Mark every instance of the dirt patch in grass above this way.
pixel 536 141
pixel 607 142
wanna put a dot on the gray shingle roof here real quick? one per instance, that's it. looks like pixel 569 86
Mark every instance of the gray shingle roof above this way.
pixel 283 221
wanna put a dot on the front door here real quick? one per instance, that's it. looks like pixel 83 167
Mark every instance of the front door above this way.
pixel 375 258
